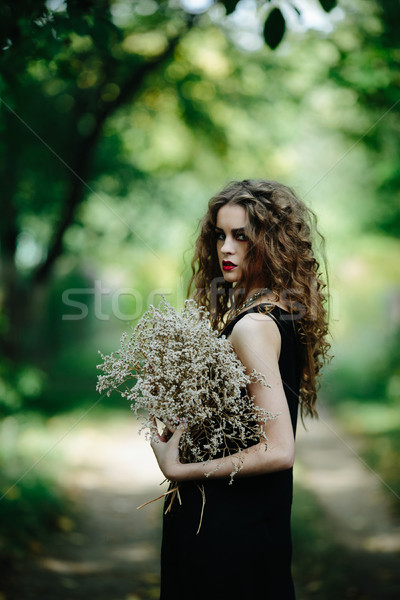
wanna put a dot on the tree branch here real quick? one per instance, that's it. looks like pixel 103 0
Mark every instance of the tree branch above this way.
pixel 79 173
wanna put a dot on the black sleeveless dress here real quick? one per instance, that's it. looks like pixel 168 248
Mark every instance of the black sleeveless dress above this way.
pixel 243 548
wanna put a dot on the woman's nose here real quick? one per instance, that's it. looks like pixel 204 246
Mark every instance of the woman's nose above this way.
pixel 227 246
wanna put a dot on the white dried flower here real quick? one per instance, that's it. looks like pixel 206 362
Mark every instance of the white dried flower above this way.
pixel 176 368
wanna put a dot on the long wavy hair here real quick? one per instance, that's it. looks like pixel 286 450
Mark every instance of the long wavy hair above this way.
pixel 280 230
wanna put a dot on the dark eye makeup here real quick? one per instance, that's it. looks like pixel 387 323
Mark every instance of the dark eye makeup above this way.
pixel 238 233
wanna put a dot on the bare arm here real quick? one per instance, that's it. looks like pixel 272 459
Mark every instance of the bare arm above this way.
pixel 256 340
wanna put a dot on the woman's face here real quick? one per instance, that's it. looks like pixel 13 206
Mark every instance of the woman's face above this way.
pixel 232 243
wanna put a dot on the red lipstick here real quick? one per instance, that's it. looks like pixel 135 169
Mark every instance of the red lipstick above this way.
pixel 227 265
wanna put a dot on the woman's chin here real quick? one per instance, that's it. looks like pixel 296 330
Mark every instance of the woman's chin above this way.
pixel 229 277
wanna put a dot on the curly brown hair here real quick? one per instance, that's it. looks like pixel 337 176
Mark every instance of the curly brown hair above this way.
pixel 280 229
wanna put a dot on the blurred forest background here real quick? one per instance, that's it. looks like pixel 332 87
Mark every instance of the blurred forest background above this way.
pixel 119 120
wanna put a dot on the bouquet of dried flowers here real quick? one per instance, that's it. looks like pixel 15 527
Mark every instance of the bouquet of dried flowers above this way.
pixel 176 368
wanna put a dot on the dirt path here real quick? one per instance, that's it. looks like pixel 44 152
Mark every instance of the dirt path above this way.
pixel 112 551
pixel 328 463
pixel 358 505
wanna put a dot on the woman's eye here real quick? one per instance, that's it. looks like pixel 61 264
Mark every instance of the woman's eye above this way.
pixel 220 236
pixel 242 237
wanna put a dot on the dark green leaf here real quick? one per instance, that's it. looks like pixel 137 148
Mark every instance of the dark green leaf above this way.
pixel 230 5
pixel 296 10
pixel 274 28
pixel 327 5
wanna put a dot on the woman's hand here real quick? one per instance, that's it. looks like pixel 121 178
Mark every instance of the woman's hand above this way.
pixel 166 450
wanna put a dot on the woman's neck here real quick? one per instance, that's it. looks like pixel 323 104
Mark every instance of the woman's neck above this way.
pixel 257 295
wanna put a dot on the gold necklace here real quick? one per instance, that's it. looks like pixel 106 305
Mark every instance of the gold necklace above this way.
pixel 249 302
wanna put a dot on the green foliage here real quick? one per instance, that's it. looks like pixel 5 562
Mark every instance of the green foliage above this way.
pixel 32 503
pixel 376 425
pixel 29 512
pixel 20 386
pixel 230 5
pixel 381 453
pixel 368 65
pixel 314 548
pixel 328 5
pixel 202 109
pixel 274 28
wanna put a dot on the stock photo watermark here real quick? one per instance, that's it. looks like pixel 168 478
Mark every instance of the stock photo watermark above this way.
pixel 96 295
pixel 107 303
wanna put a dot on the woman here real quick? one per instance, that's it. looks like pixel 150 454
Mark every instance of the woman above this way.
pixel 255 270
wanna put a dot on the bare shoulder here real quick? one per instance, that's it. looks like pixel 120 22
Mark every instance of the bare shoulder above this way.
pixel 258 331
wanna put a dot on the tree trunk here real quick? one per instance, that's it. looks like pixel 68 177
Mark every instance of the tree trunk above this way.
pixel 23 298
